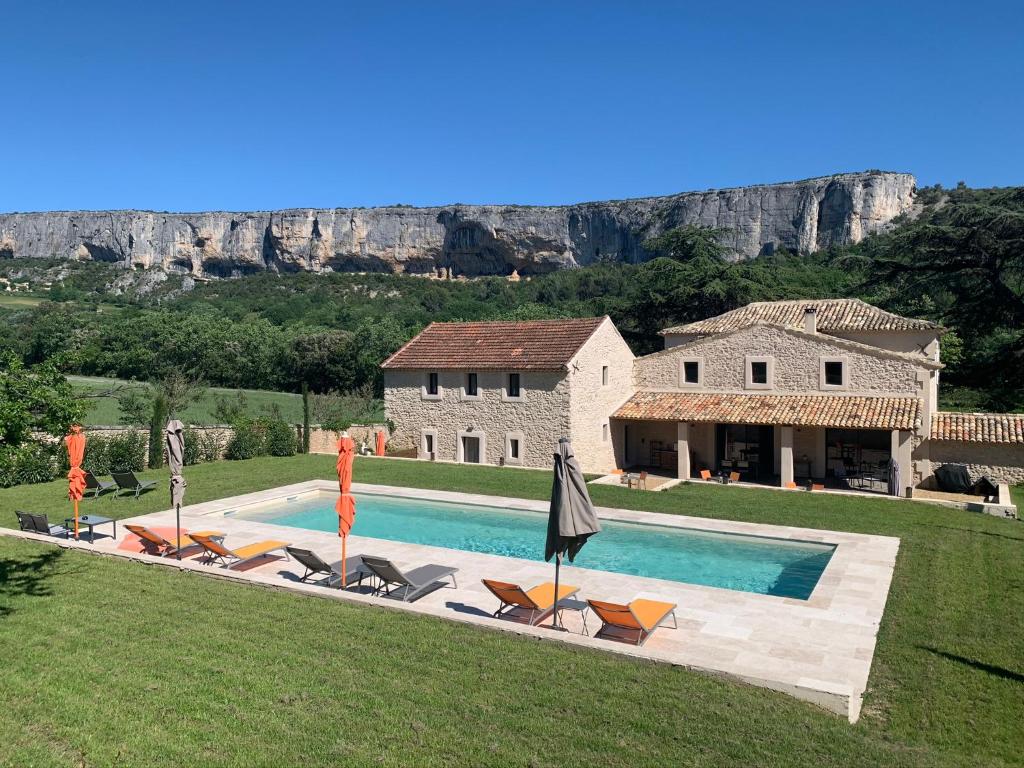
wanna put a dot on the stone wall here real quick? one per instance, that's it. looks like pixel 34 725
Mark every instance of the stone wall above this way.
pixel 326 441
pixel 796 364
pixel 540 416
pixel 592 402
pixel 1002 462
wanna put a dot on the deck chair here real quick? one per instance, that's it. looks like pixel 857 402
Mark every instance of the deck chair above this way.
pixel 640 616
pixel 127 482
pixel 413 584
pixel 539 601
pixel 155 544
pixel 97 486
pixel 355 571
pixel 39 524
pixel 232 558
pixel 705 474
pixel 734 477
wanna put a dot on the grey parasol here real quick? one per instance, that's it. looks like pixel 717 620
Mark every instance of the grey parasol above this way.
pixel 175 438
pixel 571 519
pixel 894 477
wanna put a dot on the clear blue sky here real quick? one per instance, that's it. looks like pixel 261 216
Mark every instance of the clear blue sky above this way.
pixel 237 106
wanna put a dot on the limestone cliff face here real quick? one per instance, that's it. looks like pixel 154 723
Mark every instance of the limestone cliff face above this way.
pixel 463 239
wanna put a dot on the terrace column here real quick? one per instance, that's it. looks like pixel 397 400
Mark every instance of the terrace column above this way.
pixel 902 451
pixel 785 456
pixel 683 446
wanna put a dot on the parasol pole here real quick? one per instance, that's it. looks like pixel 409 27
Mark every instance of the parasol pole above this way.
pixel 75 501
pixel 177 527
pixel 558 567
pixel 344 583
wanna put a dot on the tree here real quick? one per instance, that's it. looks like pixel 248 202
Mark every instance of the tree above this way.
pixel 689 242
pixel 34 399
pixel 157 423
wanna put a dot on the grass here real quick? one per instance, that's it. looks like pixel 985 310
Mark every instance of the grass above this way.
pixel 15 301
pixel 107 412
pixel 277 679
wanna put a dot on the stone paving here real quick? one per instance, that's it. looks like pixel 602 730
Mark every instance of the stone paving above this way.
pixel 818 650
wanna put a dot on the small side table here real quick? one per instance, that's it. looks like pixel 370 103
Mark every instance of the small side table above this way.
pixel 90 522
pixel 579 606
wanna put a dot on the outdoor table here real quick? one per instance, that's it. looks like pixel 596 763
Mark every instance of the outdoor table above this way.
pixel 90 521
pixel 579 606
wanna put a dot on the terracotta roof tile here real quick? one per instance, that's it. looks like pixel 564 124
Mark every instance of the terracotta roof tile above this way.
pixel 842 411
pixel 532 345
pixel 833 315
pixel 1005 428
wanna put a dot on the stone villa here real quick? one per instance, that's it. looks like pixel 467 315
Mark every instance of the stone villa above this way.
pixel 777 391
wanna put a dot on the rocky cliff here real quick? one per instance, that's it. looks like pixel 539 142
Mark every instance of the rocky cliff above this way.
pixel 463 239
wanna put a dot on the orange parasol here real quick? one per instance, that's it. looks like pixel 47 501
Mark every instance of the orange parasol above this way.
pixel 75 443
pixel 346 506
pixel 381 441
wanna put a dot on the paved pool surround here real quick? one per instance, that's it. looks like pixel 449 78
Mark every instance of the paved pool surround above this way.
pixel 818 650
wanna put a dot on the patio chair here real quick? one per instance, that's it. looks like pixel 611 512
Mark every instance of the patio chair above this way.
pixel 97 486
pixel 539 601
pixel 640 616
pixel 331 572
pixel 413 584
pixel 232 558
pixel 39 524
pixel 734 477
pixel 641 480
pixel 155 544
pixel 127 482
pixel 705 474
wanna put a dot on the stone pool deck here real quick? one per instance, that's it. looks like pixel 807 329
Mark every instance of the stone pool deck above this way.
pixel 818 650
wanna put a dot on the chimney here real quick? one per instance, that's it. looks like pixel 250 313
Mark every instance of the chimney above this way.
pixel 811 320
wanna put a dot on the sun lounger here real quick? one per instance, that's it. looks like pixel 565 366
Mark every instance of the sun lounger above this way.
pixel 232 558
pixel 413 584
pixel 155 544
pixel 39 524
pixel 127 482
pixel 355 571
pixel 97 486
pixel 539 601
pixel 640 616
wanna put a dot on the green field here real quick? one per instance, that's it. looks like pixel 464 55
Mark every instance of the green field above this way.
pixel 106 411
pixel 114 663
pixel 17 301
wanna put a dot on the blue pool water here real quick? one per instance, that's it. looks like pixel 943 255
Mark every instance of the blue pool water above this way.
pixel 733 561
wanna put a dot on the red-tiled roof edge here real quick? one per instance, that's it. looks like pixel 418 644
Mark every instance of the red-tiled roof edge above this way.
pixel 821 336
pixel 402 348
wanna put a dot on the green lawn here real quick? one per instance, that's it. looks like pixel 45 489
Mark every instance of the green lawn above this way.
pixel 18 301
pixel 113 663
pixel 105 410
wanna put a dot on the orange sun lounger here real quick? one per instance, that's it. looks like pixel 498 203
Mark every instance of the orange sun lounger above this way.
pixel 539 601
pixel 155 544
pixel 640 616
pixel 232 558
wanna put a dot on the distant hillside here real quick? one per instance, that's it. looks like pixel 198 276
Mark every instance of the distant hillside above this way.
pixel 463 240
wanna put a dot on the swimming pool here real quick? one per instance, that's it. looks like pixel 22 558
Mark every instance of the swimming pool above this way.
pixel 763 565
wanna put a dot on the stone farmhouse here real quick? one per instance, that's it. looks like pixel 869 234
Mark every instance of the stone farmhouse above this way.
pixel 779 392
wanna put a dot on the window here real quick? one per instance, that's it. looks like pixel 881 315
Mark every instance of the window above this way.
pixel 432 383
pixel 759 372
pixel 833 373
pixel 471 385
pixel 431 389
pixel 604 375
pixel 691 372
pixel 513 448
pixel 513 385
pixel 515 445
pixel 428 442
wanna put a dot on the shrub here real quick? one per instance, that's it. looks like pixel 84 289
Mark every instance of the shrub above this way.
pixel 29 462
pixel 156 431
pixel 249 440
pixel 193 451
pixel 281 438
pixel 211 444
pixel 103 455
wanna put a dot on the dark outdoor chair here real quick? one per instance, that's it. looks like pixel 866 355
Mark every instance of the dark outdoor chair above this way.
pixel 413 584
pixel 315 566
pixel 127 482
pixel 39 524
pixel 97 486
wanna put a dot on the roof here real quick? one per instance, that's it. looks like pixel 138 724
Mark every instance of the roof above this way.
pixel 542 345
pixel 833 315
pixel 843 411
pixel 1005 428
pixel 823 338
